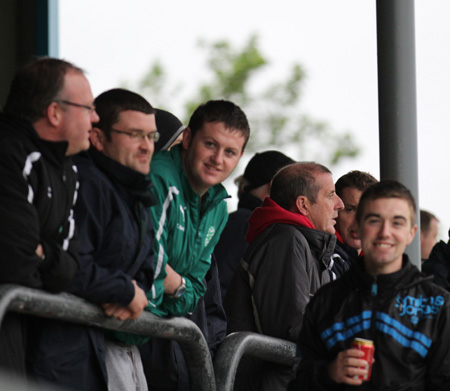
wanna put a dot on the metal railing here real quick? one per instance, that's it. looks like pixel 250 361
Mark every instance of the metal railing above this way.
pixel 203 376
pixel 242 343
pixel 64 306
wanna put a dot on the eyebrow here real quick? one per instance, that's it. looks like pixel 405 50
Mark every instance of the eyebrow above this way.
pixel 369 215
pixel 398 217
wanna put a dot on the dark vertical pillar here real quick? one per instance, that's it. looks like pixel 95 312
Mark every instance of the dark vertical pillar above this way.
pixel 46 28
pixel 28 28
pixel 397 98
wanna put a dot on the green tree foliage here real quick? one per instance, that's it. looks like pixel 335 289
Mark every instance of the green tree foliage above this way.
pixel 274 109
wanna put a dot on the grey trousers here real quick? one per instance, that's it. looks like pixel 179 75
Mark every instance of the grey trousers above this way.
pixel 124 367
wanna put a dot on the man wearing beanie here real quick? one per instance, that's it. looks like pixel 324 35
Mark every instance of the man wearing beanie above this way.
pixel 254 186
pixel 170 129
pixel 291 240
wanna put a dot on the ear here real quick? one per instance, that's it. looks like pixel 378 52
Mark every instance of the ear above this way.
pixel 302 205
pixel 413 233
pixel 187 138
pixel 97 138
pixel 54 114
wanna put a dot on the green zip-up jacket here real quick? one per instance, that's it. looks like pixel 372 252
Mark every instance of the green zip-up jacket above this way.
pixel 187 231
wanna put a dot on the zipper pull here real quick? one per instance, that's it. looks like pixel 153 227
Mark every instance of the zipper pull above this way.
pixel 374 287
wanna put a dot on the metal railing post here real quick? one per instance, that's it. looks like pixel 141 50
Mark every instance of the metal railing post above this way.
pixel 242 343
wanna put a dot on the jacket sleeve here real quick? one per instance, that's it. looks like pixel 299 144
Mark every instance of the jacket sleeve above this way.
pixel 438 365
pixel 282 283
pixel 20 227
pixel 94 282
pixel 195 288
pixel 312 372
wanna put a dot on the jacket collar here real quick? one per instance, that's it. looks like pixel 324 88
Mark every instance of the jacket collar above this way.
pixel 388 284
pixel 136 184
pixel 54 151
pixel 248 201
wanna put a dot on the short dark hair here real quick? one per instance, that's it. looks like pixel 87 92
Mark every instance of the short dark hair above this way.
pixel 425 220
pixel 386 188
pixel 356 180
pixel 295 180
pixel 36 86
pixel 111 103
pixel 220 111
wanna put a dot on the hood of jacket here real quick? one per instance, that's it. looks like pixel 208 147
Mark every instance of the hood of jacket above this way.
pixel 270 213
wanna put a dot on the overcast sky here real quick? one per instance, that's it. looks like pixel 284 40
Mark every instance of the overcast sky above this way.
pixel 116 40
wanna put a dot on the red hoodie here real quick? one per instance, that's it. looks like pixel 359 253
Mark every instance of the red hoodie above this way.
pixel 270 213
pixel 339 237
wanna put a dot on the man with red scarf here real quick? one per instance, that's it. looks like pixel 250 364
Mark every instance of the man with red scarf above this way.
pixel 291 239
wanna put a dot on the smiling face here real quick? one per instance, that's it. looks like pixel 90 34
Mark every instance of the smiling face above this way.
pixel 385 229
pixel 211 154
pixel 135 153
pixel 324 211
pixel 346 222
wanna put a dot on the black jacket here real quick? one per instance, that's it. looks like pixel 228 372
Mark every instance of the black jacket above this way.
pixel 343 257
pixel 116 235
pixel 37 190
pixel 282 268
pixel 231 245
pixel 404 313
pixel 438 264
pixel 288 264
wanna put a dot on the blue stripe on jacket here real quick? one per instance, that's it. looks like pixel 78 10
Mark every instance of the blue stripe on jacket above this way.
pixel 342 331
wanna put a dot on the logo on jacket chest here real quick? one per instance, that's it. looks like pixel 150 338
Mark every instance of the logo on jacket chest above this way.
pixel 419 307
pixel 209 235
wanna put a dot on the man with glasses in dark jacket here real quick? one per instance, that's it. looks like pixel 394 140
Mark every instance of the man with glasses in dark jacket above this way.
pixel 46 120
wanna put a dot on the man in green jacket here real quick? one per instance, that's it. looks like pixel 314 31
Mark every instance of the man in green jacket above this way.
pixel 191 212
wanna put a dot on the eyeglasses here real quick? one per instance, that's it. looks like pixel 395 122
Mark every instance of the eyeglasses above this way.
pixel 139 136
pixel 68 102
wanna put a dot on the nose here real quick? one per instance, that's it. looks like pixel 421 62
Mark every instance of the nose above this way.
pixel 217 157
pixel 339 203
pixel 94 117
pixel 384 229
pixel 147 144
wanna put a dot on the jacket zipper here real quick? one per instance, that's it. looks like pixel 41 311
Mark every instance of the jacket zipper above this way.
pixel 374 295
